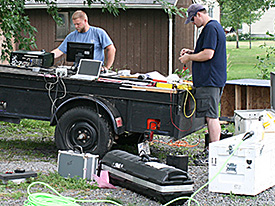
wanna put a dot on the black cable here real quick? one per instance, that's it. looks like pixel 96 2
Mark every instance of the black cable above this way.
pixel 53 107
pixel 248 135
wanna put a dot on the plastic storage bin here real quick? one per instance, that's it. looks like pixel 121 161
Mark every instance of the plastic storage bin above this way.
pixel 251 169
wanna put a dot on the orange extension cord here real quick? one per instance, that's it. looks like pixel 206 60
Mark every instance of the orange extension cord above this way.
pixel 178 143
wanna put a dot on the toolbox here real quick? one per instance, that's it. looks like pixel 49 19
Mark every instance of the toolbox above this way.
pixel 79 165
pixel 249 171
pixel 150 178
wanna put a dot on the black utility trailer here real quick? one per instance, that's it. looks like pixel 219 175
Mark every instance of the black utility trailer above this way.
pixel 93 114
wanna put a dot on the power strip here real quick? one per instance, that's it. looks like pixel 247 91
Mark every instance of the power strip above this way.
pixel 61 72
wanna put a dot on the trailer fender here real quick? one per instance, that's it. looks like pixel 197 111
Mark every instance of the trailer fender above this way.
pixel 94 102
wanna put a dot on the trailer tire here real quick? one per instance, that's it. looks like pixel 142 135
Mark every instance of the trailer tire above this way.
pixel 84 127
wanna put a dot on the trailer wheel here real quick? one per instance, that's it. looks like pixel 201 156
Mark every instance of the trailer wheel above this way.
pixel 84 127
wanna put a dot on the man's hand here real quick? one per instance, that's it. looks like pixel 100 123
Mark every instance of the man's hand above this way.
pixel 104 70
pixel 184 58
pixel 202 56
pixel 186 51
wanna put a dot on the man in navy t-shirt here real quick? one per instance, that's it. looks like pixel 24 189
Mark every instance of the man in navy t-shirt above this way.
pixel 208 67
pixel 89 34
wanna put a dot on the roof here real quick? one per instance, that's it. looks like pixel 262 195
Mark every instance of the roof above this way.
pixel 31 4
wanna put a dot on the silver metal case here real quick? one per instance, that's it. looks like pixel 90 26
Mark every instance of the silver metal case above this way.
pixel 73 164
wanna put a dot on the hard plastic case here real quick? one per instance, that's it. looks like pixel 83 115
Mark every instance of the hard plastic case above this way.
pixel 152 179
pixel 249 171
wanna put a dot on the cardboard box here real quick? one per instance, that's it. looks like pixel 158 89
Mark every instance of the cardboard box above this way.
pixel 250 170
pixel 73 164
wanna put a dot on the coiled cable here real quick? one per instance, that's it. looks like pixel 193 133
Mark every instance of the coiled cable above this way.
pixel 45 199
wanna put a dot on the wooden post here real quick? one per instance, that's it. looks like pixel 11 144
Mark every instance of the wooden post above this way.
pixel 249 95
pixel 238 97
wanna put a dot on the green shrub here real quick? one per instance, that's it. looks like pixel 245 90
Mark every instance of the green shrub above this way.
pixel 245 37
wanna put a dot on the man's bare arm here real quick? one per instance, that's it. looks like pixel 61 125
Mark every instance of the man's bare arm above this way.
pixel 111 52
pixel 57 53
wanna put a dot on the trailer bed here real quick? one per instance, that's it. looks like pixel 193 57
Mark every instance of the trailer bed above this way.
pixel 134 105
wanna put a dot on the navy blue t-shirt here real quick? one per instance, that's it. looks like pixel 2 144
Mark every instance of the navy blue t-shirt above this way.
pixel 211 72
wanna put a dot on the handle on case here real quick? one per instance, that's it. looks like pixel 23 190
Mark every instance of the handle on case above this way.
pixel 247 135
pixel 80 149
pixel 147 158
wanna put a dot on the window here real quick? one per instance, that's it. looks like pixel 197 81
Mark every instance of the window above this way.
pixel 210 12
pixel 66 27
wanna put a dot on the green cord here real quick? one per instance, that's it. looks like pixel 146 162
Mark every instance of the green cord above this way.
pixel 181 198
pixel 44 199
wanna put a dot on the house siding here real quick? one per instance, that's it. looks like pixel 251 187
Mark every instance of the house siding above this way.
pixel 45 25
pixel 265 24
pixel 183 36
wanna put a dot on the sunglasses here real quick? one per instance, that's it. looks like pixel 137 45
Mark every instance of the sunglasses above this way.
pixel 192 19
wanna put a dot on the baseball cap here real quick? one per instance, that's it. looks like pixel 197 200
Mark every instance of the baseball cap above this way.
pixel 192 10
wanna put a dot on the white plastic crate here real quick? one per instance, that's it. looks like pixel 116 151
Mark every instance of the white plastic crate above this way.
pixel 251 169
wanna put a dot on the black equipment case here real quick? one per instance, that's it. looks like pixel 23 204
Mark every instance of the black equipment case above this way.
pixel 32 58
pixel 152 179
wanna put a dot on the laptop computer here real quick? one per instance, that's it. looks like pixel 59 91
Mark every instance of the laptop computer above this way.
pixel 88 69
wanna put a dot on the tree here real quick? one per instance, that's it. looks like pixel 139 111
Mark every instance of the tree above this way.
pixel 236 12
pixel 266 64
pixel 15 26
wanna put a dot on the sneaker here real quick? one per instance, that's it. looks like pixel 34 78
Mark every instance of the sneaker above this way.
pixel 201 159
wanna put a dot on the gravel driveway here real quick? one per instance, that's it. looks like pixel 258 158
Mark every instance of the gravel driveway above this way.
pixel 47 164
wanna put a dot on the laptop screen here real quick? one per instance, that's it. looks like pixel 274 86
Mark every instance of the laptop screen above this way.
pixel 89 67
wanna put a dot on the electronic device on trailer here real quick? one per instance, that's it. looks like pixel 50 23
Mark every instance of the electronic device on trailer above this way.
pixel 88 69
pixel 25 58
pixel 78 50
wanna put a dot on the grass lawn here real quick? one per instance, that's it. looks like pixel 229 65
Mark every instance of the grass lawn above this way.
pixel 242 61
